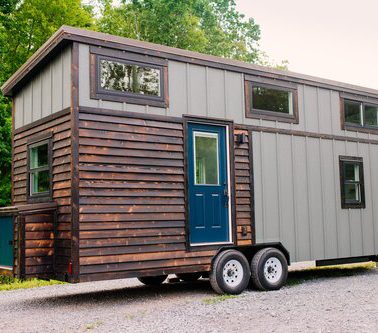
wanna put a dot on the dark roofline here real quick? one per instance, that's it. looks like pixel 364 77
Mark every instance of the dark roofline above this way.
pixel 66 35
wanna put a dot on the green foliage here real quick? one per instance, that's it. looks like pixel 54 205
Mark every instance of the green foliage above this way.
pixel 213 27
pixel 24 26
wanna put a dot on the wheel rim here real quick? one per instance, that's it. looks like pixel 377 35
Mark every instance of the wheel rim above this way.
pixel 273 270
pixel 233 273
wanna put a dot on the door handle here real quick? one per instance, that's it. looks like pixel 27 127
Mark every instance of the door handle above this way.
pixel 226 196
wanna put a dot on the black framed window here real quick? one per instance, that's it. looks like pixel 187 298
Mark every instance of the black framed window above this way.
pixel 271 100
pixel 359 115
pixel 352 182
pixel 39 170
pixel 128 77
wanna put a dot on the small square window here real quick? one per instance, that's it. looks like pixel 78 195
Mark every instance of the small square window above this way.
pixel 39 169
pixel 352 182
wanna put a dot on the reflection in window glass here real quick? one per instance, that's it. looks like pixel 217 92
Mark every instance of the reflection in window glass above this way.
pixel 352 185
pixel 371 115
pixel 352 112
pixel 129 78
pixel 270 99
pixel 206 158
pixel 39 169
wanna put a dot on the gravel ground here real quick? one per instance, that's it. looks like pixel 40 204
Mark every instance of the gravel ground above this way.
pixel 336 304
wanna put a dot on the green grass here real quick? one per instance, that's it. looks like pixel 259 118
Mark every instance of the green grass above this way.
pixel 10 283
pixel 217 299
pixel 298 277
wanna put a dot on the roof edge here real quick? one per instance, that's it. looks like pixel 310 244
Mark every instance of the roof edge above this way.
pixel 71 34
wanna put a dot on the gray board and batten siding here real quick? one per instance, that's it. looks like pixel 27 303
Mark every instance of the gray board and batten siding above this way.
pixel 47 93
pixel 296 177
pixel 296 166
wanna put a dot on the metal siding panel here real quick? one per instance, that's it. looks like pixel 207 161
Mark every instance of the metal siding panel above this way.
pixel 343 214
pixel 216 93
pixel 311 120
pixel 84 78
pixel 286 194
pixel 258 188
pixel 178 90
pixel 270 191
pixel 314 182
pixel 66 59
pixel 28 97
pixel 19 107
pixel 197 90
pixel 374 196
pixel 355 214
pixel 37 93
pixel 301 200
pixel 325 112
pixel 367 217
pixel 235 97
pixel 329 198
pixel 57 85
pixel 46 91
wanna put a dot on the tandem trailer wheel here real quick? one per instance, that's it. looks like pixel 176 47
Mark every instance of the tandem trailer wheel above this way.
pixel 269 269
pixel 153 280
pixel 230 273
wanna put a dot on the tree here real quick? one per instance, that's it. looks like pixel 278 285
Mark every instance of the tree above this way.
pixel 24 26
pixel 208 26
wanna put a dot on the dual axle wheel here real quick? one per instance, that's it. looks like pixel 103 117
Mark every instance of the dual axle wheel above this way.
pixel 231 273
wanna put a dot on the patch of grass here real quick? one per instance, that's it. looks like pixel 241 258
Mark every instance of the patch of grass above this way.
pixel 96 324
pixel 298 277
pixel 217 299
pixel 11 283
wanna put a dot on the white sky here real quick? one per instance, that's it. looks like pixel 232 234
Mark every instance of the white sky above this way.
pixel 334 39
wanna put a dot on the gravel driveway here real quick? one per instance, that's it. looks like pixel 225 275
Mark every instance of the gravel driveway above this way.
pixel 338 304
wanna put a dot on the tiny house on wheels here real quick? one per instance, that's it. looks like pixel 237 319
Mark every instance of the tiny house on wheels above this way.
pixel 132 159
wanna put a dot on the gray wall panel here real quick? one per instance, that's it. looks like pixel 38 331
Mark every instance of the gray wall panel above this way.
pixel 47 93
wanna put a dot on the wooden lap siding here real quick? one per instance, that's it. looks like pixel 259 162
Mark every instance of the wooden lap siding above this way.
pixel 243 195
pixel 61 169
pixel 132 198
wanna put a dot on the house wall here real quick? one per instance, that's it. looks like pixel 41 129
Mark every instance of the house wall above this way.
pixel 297 185
pixel 38 240
pixel 47 93
pixel 132 198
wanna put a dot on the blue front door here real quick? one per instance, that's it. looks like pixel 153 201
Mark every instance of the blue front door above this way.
pixel 6 241
pixel 208 184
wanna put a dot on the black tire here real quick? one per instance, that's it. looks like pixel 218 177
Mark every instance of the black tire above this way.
pixel 153 280
pixel 269 269
pixel 230 273
pixel 189 277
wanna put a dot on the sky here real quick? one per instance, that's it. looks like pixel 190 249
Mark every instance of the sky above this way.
pixel 331 39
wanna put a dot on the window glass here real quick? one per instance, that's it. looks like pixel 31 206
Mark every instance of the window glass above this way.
pixel 40 181
pixel 129 78
pixel 352 182
pixel 371 115
pixel 39 169
pixel 206 158
pixel 270 99
pixel 39 156
pixel 352 112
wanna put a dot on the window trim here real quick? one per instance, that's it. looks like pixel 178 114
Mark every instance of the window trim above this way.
pixel 362 101
pixel 358 161
pixel 250 82
pixel 32 143
pixel 96 92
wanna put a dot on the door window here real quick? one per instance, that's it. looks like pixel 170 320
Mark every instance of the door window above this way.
pixel 206 157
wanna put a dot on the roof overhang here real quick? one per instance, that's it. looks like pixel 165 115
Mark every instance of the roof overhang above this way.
pixel 66 35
